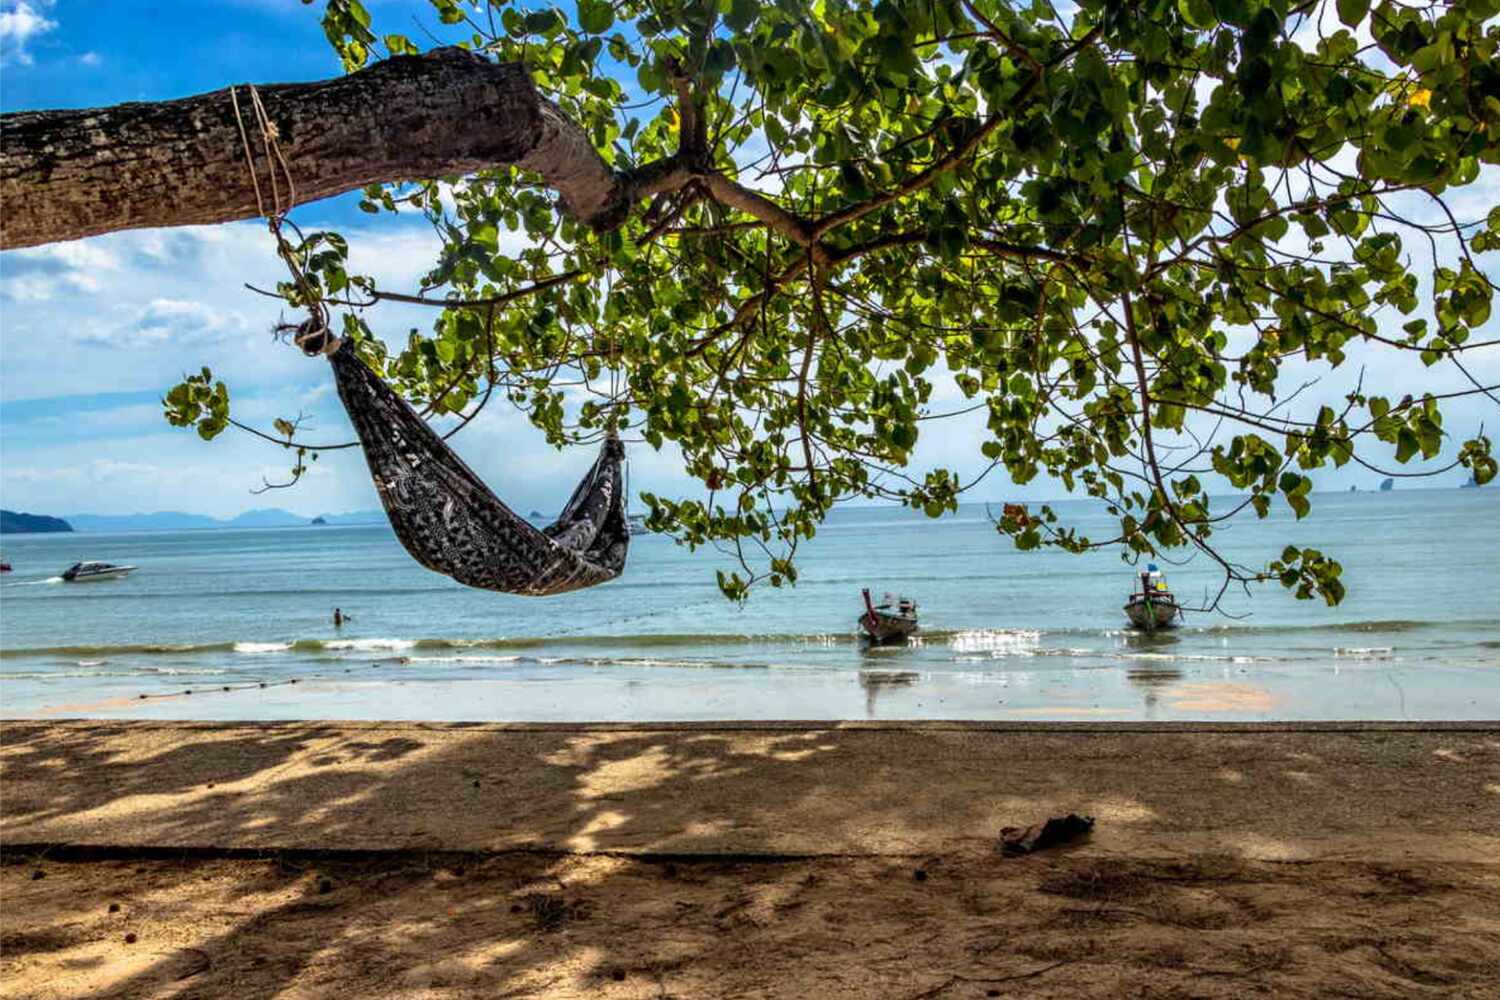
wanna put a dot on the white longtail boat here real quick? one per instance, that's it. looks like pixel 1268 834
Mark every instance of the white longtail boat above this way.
pixel 1153 606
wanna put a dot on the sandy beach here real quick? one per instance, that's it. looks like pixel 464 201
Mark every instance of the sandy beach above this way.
pixel 773 860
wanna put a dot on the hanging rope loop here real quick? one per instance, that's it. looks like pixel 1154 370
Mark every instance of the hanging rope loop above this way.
pixel 314 335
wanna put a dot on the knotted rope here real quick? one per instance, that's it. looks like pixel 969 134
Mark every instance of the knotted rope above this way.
pixel 313 334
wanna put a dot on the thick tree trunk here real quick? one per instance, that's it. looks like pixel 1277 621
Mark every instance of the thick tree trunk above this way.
pixel 69 174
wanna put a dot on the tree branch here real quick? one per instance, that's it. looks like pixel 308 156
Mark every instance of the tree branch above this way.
pixel 955 156
pixel 753 203
pixel 75 173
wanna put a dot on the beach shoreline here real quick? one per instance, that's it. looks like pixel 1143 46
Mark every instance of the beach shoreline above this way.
pixel 1004 634
pixel 887 689
pixel 745 858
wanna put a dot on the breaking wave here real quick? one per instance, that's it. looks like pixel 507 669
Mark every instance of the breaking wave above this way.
pixel 997 642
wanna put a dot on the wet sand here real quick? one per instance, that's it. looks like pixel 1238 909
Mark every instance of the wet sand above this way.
pixel 775 860
pixel 387 690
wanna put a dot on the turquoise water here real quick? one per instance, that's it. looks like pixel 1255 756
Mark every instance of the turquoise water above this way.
pixel 1005 634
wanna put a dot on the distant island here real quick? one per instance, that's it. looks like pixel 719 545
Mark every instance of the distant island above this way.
pixel 176 520
pixel 1386 485
pixel 1472 484
pixel 16 523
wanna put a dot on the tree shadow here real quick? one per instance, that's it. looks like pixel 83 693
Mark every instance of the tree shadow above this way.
pixel 457 849
pixel 72 769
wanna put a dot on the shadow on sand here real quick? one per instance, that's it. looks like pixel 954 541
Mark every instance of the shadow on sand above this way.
pixel 486 861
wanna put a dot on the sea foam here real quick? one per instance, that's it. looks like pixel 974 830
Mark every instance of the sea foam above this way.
pixel 369 645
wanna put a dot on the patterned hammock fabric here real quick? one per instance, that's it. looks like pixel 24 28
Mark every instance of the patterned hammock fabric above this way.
pixel 452 524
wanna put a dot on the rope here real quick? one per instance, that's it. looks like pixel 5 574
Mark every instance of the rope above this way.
pixel 612 432
pixel 313 335
pixel 260 207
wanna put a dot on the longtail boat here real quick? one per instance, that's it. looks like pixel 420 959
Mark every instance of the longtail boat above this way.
pixel 1153 606
pixel 892 620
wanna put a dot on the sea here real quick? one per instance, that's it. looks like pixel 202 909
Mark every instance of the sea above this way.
pixel 237 625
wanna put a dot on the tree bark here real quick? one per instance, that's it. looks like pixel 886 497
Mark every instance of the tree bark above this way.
pixel 70 174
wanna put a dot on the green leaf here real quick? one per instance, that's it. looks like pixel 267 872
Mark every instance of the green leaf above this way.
pixel 1352 12
pixel 1407 444
pixel 543 22
pixel 742 14
pixel 596 16
pixel 1198 13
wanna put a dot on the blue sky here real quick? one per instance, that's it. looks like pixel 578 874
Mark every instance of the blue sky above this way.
pixel 92 332
pixel 81 54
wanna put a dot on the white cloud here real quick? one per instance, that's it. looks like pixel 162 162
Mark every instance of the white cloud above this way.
pixel 106 470
pixel 321 391
pixel 99 471
pixel 168 322
pixel 90 59
pixel 176 299
pixel 20 23
pixel 28 288
pixel 174 470
pixel 60 269
pixel 86 424
pixel 81 253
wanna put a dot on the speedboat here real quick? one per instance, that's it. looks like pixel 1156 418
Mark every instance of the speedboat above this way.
pixel 892 620
pixel 637 524
pixel 81 571
pixel 1153 606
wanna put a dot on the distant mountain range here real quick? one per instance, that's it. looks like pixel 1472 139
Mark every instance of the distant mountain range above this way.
pixel 176 520
pixel 16 523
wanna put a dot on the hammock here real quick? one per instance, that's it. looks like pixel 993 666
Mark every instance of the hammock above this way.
pixel 445 517
pixel 451 523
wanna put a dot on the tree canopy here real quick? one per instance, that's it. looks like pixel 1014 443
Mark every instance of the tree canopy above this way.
pixel 1130 234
